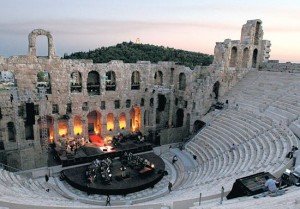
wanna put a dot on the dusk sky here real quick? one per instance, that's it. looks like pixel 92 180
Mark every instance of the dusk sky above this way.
pixel 194 25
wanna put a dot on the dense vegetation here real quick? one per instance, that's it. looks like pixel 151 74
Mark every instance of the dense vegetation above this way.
pixel 130 52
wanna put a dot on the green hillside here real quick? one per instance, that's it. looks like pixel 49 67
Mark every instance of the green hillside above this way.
pixel 130 52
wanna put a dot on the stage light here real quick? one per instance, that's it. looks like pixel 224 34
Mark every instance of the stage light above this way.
pixel 152 165
pixel 287 171
pixel 110 175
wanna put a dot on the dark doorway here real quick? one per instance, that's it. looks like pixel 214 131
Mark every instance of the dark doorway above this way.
pixel 179 117
pixel 216 89
pixel 161 102
pixel 198 125
pixel 254 58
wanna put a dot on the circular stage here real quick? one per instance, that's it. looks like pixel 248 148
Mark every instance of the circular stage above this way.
pixel 135 180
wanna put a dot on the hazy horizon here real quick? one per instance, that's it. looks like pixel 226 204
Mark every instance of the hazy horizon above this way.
pixel 190 25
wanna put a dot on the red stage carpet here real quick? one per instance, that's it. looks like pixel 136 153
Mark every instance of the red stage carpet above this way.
pixel 96 140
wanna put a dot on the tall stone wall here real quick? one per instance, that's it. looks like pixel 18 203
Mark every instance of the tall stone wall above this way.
pixel 186 94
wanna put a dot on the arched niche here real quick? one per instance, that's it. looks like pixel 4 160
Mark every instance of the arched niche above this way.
pixel 179 117
pixel 11 130
pixel 76 82
pixel 245 59
pixel 77 125
pixel 7 80
pixel 122 121
pixel 32 42
pixel 93 83
pixel 135 80
pixel 233 57
pixel 135 118
pixel 110 122
pixel 182 82
pixel 158 78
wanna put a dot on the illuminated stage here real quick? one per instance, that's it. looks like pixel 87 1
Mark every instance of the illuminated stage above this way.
pixel 133 182
pixel 90 152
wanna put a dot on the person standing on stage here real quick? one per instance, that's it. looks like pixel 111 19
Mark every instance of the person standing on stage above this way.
pixel 107 201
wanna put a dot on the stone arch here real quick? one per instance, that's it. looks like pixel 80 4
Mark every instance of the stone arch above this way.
pixel 44 81
pixel 254 58
pixel 198 125
pixel 76 82
pixel 78 125
pixel 158 78
pixel 135 80
pixel 110 122
pixel 245 59
pixel 216 89
pixel 94 122
pixel 122 120
pixel 179 117
pixel 182 82
pixel 11 130
pixel 233 57
pixel 32 42
pixel 93 83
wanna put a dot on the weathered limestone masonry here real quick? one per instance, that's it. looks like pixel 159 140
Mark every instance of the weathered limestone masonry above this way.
pixel 163 100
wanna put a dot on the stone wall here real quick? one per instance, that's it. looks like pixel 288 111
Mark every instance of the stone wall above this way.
pixel 162 98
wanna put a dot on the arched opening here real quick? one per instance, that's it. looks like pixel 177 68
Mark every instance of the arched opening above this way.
pixel 42 46
pixel 233 57
pixel 122 121
pixel 216 89
pixel 11 131
pixel 254 58
pixel 142 102
pixel 146 118
pixel 94 122
pixel 182 82
pixel 179 117
pixel 32 42
pixel 256 36
pixel 49 127
pixel 7 80
pixel 111 81
pixel 198 125
pixel 161 102
pixel 93 83
pixel 135 80
pixel 110 122
pixel 44 81
pixel 77 125
pixel 245 58
pixel 76 82
pixel 158 78
pixel 135 120
pixel 63 127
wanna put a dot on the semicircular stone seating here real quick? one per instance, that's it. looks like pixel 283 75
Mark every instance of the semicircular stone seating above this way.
pixel 261 121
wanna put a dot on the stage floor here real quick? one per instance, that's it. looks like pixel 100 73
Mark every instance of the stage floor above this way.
pixel 76 178
pixel 90 152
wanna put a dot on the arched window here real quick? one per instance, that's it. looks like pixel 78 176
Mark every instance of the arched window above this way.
pixel 63 127
pixel 254 58
pixel 158 78
pixel 11 131
pixel 233 57
pixel 182 81
pixel 93 83
pixel 122 121
pixel 245 58
pixel 32 42
pixel 111 81
pixel 135 80
pixel 44 81
pixel 76 82
pixel 110 122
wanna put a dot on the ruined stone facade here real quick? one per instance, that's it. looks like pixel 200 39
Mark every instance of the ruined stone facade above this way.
pixel 163 100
